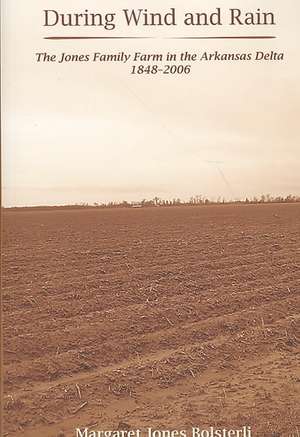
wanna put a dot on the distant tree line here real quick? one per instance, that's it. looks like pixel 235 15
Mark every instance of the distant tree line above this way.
pixel 194 200
pixel 158 202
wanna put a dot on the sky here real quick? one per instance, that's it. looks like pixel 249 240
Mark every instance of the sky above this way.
pixel 92 132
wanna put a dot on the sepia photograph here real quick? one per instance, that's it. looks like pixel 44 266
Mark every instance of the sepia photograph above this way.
pixel 150 219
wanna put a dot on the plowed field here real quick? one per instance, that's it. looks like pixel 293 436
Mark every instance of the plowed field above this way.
pixel 153 317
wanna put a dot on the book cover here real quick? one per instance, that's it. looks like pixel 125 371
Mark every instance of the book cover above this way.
pixel 150 218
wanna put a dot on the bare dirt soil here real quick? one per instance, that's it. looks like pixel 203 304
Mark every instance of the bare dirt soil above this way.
pixel 159 317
